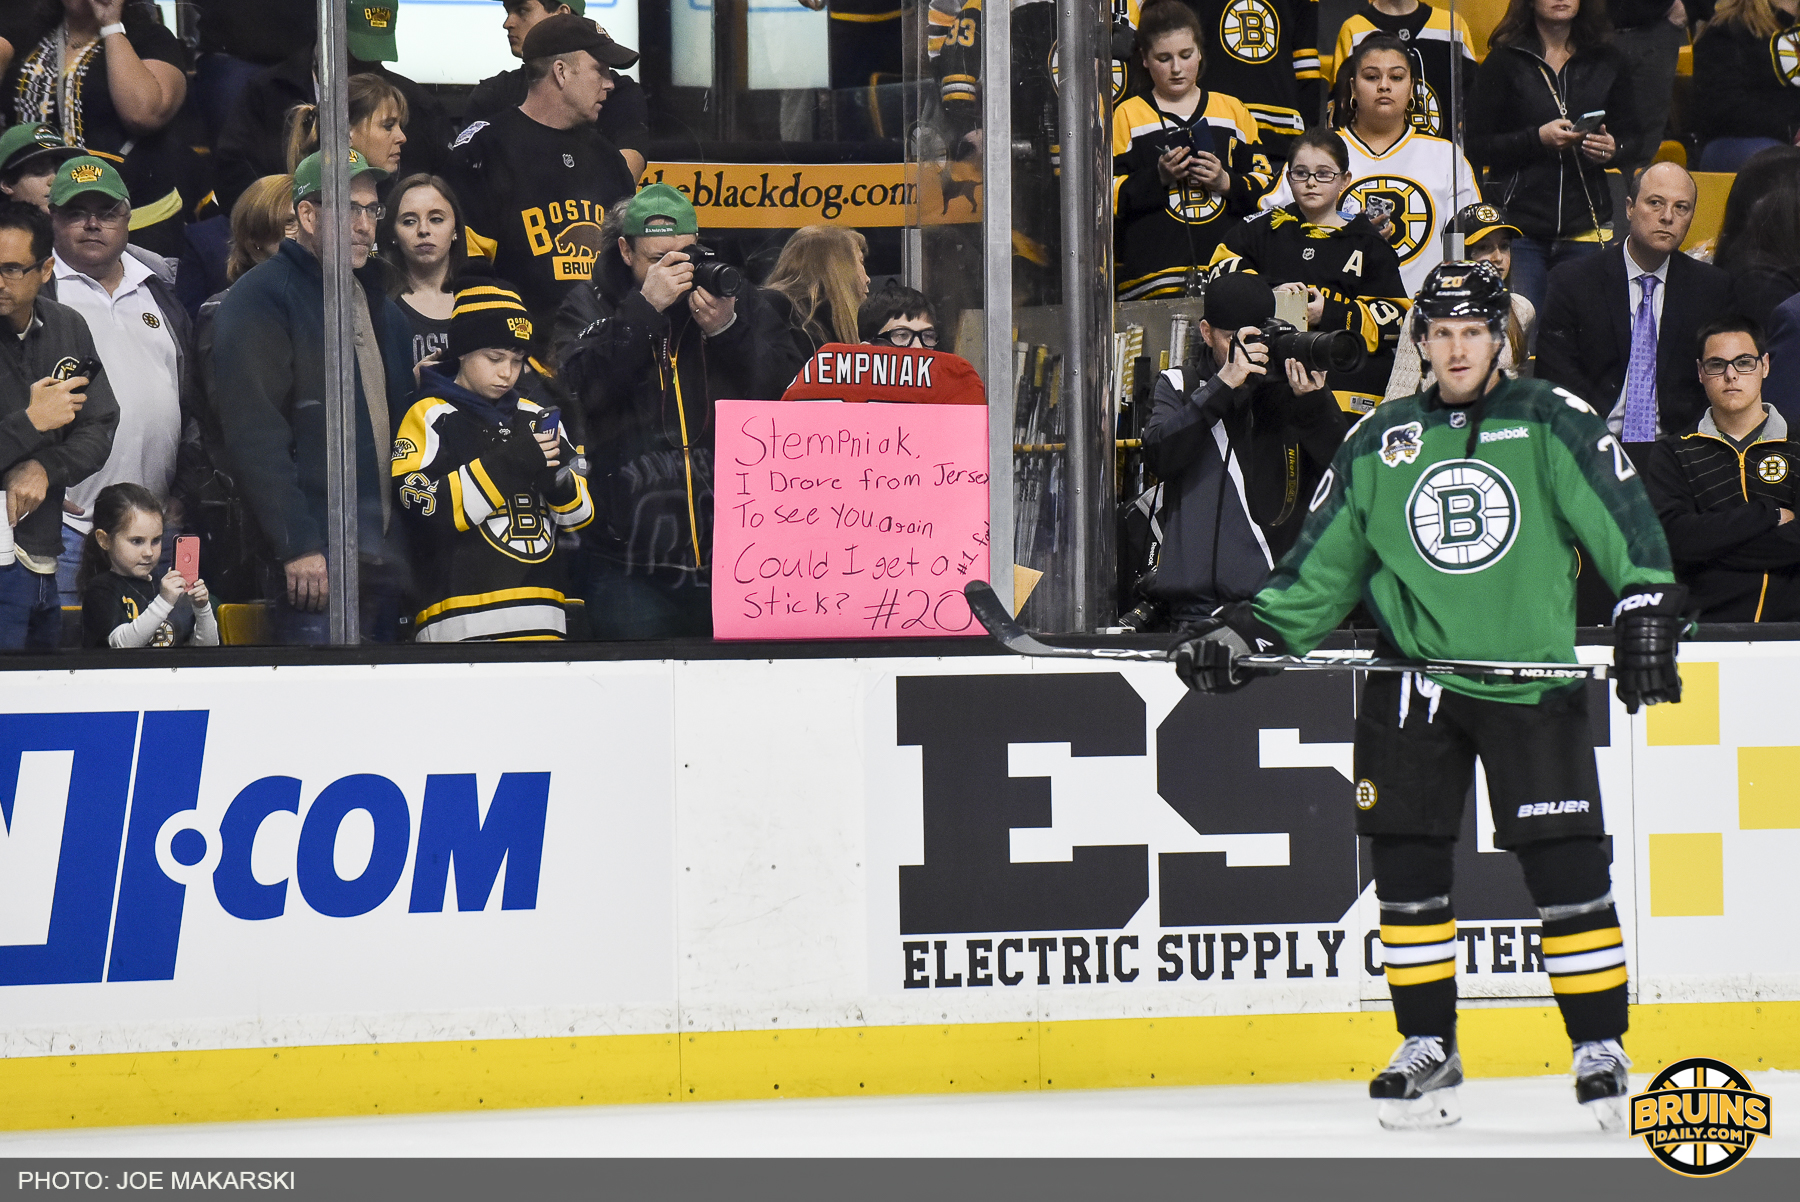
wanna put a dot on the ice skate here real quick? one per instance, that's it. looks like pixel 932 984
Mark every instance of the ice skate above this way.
pixel 1602 1081
pixel 1417 1090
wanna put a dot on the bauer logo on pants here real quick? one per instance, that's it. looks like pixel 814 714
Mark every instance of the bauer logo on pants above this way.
pixel 1700 1117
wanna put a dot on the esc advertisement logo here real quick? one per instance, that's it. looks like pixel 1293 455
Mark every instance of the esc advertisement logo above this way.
pixel 1700 1117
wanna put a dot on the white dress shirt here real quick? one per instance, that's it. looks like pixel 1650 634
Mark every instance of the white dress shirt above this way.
pixel 1634 296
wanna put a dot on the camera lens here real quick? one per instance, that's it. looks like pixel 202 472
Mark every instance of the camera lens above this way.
pixel 1324 350
pixel 718 278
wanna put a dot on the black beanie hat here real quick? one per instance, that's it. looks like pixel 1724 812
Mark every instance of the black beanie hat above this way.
pixel 1238 299
pixel 488 313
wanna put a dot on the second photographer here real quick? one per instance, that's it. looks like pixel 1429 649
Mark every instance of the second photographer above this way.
pixel 1241 444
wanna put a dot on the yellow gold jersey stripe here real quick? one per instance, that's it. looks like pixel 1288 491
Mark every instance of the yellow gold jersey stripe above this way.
pixel 1588 982
pixel 1584 941
pixel 1420 974
pixel 1435 933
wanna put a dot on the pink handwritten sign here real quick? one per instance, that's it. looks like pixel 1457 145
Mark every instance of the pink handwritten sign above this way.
pixel 848 521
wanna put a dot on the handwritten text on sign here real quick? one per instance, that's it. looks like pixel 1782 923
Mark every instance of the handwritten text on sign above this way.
pixel 848 521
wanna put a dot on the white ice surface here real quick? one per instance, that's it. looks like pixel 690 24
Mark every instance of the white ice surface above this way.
pixel 1531 1116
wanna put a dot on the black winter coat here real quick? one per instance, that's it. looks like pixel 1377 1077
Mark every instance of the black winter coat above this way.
pixel 1747 94
pixel 1549 194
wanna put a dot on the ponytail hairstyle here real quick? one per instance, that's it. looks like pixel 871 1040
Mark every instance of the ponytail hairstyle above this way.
pixel 112 509
pixel 369 94
pixel 1343 96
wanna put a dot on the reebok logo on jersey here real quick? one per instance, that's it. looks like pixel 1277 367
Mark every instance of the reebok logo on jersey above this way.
pixel 1540 809
pixel 1504 435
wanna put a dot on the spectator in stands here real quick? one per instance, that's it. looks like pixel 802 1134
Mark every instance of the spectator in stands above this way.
pixel 1348 273
pixel 262 217
pixel 1270 62
pixel 897 316
pixel 1426 31
pixel 378 116
pixel 1747 100
pixel 817 285
pixel 1618 327
pixel 120 607
pixel 625 121
pixel 1782 388
pixel 1551 63
pixel 1487 238
pixel 422 239
pixel 1219 541
pixel 481 475
pixel 55 428
pixel 1184 163
pixel 536 181
pixel 111 79
pixel 1759 174
pixel 1726 489
pixel 29 157
pixel 268 388
pixel 1399 176
pixel 654 355
pixel 236 41
pixel 1764 260
pixel 144 337
pixel 1650 35
pixel 255 138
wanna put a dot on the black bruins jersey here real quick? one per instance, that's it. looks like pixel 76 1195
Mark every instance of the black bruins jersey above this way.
pixel 1427 34
pixel 1354 267
pixel 1266 53
pixel 111 600
pixel 486 562
pixel 534 198
pixel 1161 231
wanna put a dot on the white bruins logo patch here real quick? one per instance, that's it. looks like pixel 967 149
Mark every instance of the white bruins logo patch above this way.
pixel 1401 444
pixel 1464 516
pixel 1365 794
pixel 1786 50
pixel 519 529
pixel 1427 114
pixel 1121 78
pixel 1772 470
pixel 1195 205
pixel 1250 31
pixel 1414 214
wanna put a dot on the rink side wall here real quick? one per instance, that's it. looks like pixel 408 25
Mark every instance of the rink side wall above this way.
pixel 266 892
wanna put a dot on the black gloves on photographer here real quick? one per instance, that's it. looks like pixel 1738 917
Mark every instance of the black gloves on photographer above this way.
pixel 1647 626
pixel 1206 657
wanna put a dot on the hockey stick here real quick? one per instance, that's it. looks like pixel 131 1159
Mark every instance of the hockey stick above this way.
pixel 986 606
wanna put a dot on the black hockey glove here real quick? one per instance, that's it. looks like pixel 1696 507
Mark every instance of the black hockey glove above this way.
pixel 1647 626
pixel 1206 657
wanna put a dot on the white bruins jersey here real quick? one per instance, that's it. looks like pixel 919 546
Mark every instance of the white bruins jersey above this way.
pixel 1413 180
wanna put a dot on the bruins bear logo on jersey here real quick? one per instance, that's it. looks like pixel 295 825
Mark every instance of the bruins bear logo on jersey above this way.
pixel 1250 31
pixel 1784 48
pixel 1409 206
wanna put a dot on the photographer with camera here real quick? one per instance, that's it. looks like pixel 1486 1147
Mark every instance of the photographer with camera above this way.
pixel 664 330
pixel 1234 504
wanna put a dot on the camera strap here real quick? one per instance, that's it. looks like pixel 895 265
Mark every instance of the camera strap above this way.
pixel 1193 280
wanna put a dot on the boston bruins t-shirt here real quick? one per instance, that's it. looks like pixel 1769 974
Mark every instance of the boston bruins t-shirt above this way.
pixel 535 197
pixel 110 600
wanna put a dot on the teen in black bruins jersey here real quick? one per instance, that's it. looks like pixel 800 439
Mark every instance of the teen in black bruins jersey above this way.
pixel 1348 271
pixel 479 474
pixel 1186 163
pixel 1266 53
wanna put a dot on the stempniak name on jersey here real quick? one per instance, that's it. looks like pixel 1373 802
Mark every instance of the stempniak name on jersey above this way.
pixel 894 369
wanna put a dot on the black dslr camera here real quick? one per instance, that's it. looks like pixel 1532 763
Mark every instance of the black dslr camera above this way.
pixel 712 272
pixel 1317 350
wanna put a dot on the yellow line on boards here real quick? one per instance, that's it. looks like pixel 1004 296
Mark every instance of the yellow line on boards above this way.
pixel 236 1084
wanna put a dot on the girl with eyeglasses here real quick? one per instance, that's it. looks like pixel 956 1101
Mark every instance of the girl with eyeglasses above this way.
pixel 1348 273
pixel 1187 163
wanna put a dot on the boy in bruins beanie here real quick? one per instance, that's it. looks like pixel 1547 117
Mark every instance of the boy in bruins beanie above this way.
pixel 483 478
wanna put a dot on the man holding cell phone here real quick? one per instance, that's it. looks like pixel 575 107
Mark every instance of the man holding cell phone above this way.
pixel 56 427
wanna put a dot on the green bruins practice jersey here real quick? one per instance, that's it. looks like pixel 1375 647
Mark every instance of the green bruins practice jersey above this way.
pixel 1427 34
pixel 1469 558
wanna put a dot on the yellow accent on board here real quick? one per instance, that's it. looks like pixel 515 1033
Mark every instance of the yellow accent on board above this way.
pixel 1687 875
pixel 1694 721
pixel 501 1074
pixel 1768 788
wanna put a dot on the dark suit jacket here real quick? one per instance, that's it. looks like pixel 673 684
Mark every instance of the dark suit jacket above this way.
pixel 1584 332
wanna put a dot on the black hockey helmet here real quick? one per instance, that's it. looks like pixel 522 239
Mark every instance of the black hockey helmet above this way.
pixel 1462 289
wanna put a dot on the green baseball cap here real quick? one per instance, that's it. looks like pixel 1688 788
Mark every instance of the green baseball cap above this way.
pixel 659 209
pixel 22 143
pixel 309 176
pixel 370 32
pixel 82 174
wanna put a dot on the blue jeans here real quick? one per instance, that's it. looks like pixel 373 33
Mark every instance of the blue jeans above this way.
pixel 623 607
pixel 30 618
pixel 1532 261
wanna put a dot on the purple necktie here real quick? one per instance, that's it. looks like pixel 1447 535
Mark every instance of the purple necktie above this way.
pixel 1640 373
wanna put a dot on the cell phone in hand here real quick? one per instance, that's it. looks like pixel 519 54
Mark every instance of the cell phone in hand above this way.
pixel 187 557
pixel 550 422
pixel 89 368
pixel 1587 123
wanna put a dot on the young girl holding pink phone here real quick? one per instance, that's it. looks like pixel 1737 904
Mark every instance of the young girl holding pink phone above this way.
pixel 120 606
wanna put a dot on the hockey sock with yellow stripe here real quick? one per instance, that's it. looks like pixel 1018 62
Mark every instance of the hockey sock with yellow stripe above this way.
pixel 1584 950
pixel 1418 931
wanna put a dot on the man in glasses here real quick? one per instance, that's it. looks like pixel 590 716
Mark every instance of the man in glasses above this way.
pixel 1726 487
pixel 56 427
pixel 143 334
pixel 269 387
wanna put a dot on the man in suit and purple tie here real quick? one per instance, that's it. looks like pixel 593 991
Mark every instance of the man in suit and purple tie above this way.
pixel 1618 328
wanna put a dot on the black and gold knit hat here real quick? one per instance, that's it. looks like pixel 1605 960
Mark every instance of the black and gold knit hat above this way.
pixel 488 313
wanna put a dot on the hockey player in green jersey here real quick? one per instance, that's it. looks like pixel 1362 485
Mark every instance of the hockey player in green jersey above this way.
pixel 1454 515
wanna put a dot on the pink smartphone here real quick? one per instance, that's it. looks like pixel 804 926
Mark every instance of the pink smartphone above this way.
pixel 187 557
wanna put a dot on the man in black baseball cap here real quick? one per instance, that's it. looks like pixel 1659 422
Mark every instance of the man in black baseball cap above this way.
pixel 29 157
